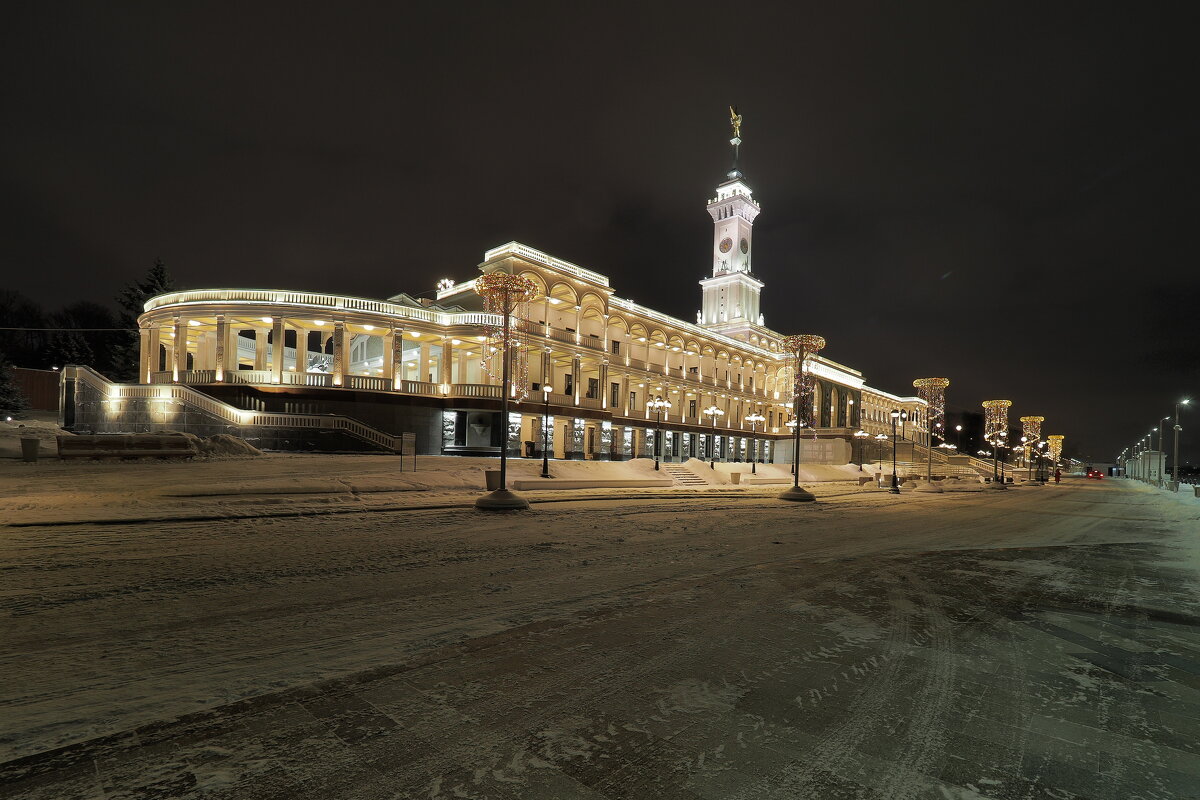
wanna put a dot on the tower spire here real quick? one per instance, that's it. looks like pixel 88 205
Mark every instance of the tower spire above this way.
pixel 735 123
pixel 731 295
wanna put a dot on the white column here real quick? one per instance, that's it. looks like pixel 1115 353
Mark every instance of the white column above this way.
pixel 423 364
pixel 222 347
pixel 397 346
pixel 576 378
pixel 604 387
pixel 179 349
pixel 260 348
pixel 144 343
pixel 447 371
pixel 339 352
pixel 389 355
pixel 301 350
pixel 277 350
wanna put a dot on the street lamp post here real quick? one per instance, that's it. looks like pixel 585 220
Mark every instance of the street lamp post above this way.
pixel 658 404
pixel 862 437
pixel 801 348
pixel 895 483
pixel 958 437
pixel 712 412
pixel 1150 452
pixel 754 418
pixel 1003 461
pixel 505 295
pixel 792 425
pixel 933 392
pixel 1162 431
pixel 546 388
pixel 1175 462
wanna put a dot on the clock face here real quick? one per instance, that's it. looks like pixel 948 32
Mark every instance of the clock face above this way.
pixel 726 244
pixel 745 247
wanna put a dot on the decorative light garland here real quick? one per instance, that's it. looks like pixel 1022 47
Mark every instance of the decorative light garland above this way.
pixel 995 421
pixel 1056 445
pixel 933 392
pixel 1031 431
pixel 802 347
pixel 507 295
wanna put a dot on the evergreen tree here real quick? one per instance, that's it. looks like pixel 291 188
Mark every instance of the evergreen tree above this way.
pixel 12 400
pixel 69 347
pixel 25 347
pixel 94 342
pixel 131 301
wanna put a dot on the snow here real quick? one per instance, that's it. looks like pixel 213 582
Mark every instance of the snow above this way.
pixel 111 626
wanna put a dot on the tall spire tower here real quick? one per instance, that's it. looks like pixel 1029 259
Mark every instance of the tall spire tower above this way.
pixel 731 295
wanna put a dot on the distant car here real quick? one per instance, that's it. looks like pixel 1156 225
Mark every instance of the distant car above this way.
pixel 1095 473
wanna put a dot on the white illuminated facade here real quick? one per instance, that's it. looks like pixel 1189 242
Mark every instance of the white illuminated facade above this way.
pixel 405 364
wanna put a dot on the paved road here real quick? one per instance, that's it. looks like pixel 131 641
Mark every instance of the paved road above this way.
pixel 1036 643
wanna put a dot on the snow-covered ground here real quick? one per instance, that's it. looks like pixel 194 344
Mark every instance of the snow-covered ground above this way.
pixel 83 490
pixel 717 642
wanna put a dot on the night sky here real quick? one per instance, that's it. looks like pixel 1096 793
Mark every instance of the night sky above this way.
pixel 1003 194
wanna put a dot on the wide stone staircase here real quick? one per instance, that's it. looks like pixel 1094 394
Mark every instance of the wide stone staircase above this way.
pixel 683 476
pixel 969 467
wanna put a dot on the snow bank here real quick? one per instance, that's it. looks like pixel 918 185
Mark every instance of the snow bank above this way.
pixel 40 426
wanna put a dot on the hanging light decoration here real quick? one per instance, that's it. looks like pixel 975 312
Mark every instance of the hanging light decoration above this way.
pixel 995 428
pixel 1031 432
pixel 933 392
pixel 802 348
pixel 507 295
pixel 1056 444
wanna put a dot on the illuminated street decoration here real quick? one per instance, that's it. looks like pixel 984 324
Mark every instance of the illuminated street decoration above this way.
pixel 996 420
pixel 1056 445
pixel 509 296
pixel 1031 433
pixel 802 348
pixel 933 392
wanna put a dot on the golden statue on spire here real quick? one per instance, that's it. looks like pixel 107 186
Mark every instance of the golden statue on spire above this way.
pixel 735 121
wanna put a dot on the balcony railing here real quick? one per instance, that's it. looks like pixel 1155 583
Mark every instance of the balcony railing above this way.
pixel 475 390
pixel 368 382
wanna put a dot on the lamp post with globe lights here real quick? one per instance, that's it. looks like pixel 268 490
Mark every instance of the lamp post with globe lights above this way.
pixel 995 431
pixel 933 392
pixel 862 436
pixel 1162 431
pixel 1175 461
pixel 1031 434
pixel 754 418
pixel 802 348
pixel 658 404
pixel 546 388
pixel 896 415
pixel 713 413
pixel 792 425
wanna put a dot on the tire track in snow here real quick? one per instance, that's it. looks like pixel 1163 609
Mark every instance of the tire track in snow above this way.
pixel 925 739
pixel 839 747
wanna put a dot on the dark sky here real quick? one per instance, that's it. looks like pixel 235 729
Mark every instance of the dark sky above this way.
pixel 1003 194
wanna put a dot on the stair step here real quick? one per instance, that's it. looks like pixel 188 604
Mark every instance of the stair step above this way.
pixel 683 476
